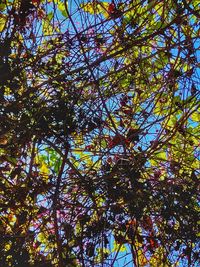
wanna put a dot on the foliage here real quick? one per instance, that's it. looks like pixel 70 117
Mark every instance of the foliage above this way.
pixel 99 133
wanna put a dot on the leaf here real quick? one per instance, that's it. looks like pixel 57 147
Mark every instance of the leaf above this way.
pixel 91 7
pixel 118 247
pixel 2 6
pixel 46 25
pixel 44 168
pixel 161 156
pixel 41 237
pixel 133 135
pixel 96 8
pixel 159 9
pixel 3 139
pixel 62 9
pixel 12 219
pixel 158 258
pixel 171 121
pixel 196 116
pixel 142 260
pixel 7 247
pixel 3 20
pixel 11 160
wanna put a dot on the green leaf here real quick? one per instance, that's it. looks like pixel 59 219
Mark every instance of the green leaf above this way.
pixel 62 9
pixel 11 160
pixel 196 116
pixel 2 6
pixel 161 156
pixel 46 25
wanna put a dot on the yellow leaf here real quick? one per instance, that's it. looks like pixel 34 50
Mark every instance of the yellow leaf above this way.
pixel 7 247
pixel 47 28
pixel 12 219
pixel 156 259
pixel 41 237
pixel 103 8
pixel 3 20
pixel 195 164
pixel 118 247
pixel 44 168
pixel 96 8
pixel 142 260
pixel 91 8
pixel 159 8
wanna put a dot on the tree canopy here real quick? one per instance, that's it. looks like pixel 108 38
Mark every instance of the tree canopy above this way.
pixel 99 133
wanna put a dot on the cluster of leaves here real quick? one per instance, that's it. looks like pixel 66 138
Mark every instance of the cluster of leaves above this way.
pixel 99 133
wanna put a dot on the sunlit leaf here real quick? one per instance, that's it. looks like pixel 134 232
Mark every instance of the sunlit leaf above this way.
pixel 3 20
pixel 96 8
pixel 62 8
pixel 196 116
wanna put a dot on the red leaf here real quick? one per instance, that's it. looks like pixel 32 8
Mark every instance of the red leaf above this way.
pixel 133 135
pixel 147 223
pixel 89 147
pixel 37 2
pixel 109 160
pixel 116 140
pixel 153 243
pixel 111 8
pixel 128 111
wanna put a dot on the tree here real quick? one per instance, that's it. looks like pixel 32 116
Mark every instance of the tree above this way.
pixel 99 133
